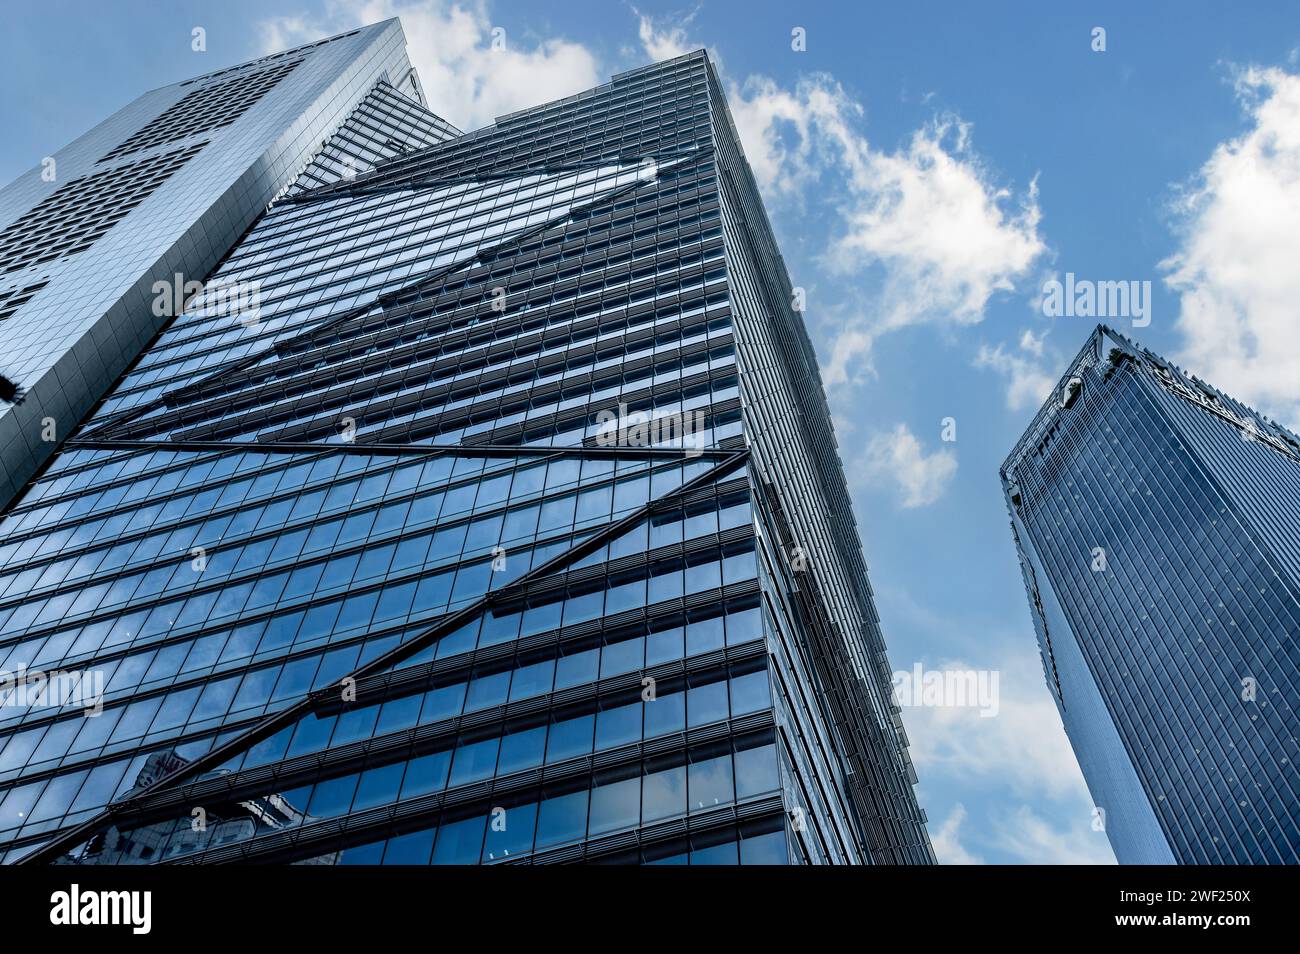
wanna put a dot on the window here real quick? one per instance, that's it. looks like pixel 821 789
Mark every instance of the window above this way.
pixel 76 214
pixel 209 107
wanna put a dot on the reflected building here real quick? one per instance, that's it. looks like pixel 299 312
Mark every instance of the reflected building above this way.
pixel 482 506
pixel 209 827
pixel 1157 522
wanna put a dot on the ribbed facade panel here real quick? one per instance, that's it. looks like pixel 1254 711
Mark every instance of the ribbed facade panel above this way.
pixel 1156 524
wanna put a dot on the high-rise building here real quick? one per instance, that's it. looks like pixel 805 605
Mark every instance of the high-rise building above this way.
pixel 165 188
pixel 1158 527
pixel 482 506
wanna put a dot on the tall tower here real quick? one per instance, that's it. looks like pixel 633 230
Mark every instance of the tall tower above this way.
pixel 1158 526
pixel 482 507
pixel 164 188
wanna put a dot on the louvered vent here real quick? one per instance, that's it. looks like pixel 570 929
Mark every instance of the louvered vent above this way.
pixel 206 108
pixel 77 213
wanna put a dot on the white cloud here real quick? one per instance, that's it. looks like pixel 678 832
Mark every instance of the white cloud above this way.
pixel 283 33
pixel 1032 840
pixel 1020 835
pixel 779 129
pixel 931 214
pixel 1033 343
pixel 451 46
pixel 1028 382
pixel 998 765
pixel 897 456
pixel 1236 270
pixel 1023 747
pixel 662 39
pixel 947 840
pixel 947 237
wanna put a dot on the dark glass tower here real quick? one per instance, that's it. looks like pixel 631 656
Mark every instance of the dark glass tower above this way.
pixel 483 507
pixel 1158 526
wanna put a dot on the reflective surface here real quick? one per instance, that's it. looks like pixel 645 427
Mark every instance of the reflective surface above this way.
pixel 1159 529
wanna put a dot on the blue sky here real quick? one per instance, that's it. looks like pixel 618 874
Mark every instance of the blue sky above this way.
pixel 927 168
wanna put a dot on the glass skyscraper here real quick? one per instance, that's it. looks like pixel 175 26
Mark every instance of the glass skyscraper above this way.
pixel 1158 527
pixel 482 506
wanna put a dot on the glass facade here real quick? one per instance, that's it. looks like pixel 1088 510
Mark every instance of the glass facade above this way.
pixel 502 523
pixel 1158 526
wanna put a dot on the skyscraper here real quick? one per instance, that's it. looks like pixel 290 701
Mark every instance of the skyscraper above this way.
pixel 483 506
pixel 164 188
pixel 1158 527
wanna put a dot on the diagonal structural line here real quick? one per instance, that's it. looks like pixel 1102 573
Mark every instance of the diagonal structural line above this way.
pixel 448 624
pixel 395 297
pixel 729 460
pixel 587 451
pixel 170 399
pixel 373 182
pixel 122 810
